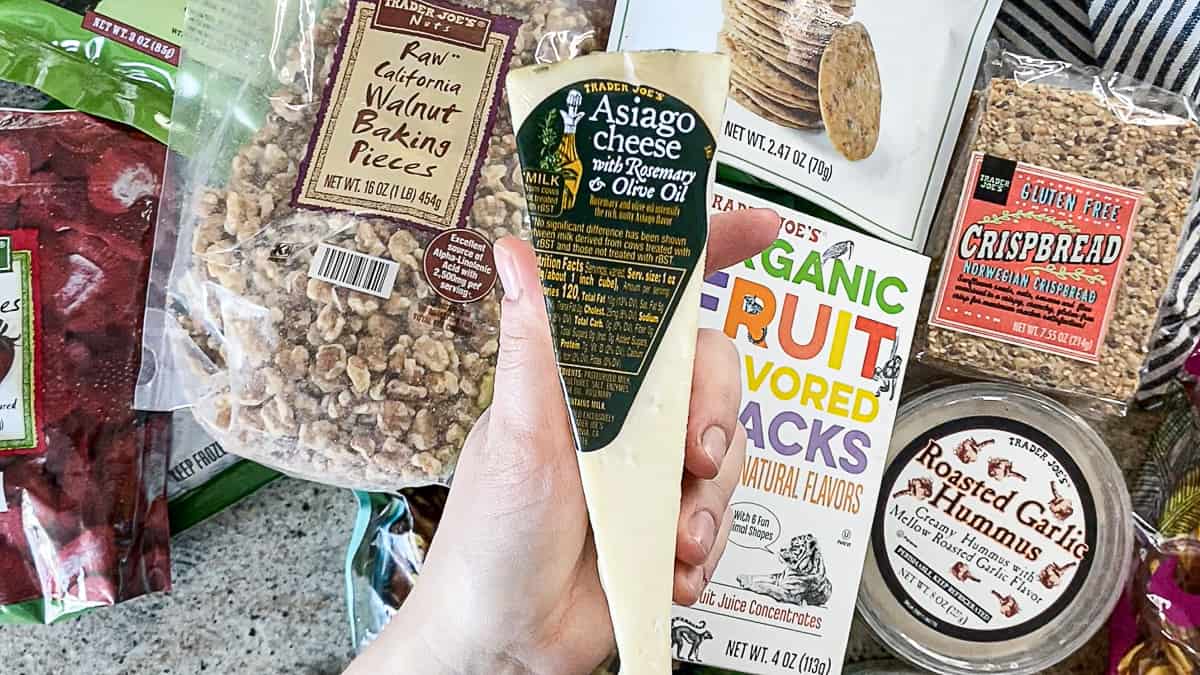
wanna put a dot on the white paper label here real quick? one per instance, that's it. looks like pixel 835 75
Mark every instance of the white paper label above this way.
pixel 356 271
pixel 987 529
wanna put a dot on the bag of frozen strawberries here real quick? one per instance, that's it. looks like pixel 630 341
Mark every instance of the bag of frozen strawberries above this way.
pixel 83 517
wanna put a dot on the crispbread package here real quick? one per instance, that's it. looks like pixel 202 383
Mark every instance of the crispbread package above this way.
pixel 324 297
pixel 1060 230
pixel 853 105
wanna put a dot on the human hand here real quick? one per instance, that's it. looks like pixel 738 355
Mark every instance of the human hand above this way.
pixel 510 584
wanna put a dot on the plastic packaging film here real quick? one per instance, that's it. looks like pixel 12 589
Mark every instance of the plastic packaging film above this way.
pixel 316 315
pixel 1058 252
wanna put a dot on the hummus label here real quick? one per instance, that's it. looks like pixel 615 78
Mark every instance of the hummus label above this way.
pixel 986 530
pixel 1035 257
pixel 403 130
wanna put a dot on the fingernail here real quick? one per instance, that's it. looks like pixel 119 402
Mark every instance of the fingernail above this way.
pixel 696 580
pixel 510 276
pixel 715 444
pixel 703 529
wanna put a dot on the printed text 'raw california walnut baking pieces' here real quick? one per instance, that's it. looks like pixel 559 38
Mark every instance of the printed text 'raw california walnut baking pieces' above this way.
pixel 1084 197
pixel 377 389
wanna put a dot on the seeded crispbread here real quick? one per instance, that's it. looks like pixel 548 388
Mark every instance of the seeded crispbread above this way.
pixel 802 56
pixel 746 55
pixel 775 112
pixel 783 97
pixel 850 92
pixel 809 22
pixel 843 7
pixel 799 33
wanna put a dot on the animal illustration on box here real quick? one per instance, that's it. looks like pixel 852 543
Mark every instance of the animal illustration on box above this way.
pixel 684 633
pixel 888 375
pixel 753 305
pixel 803 580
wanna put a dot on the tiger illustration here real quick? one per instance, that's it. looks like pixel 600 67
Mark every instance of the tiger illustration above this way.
pixel 692 635
pixel 803 580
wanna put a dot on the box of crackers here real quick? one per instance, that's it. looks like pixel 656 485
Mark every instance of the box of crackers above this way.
pixel 853 105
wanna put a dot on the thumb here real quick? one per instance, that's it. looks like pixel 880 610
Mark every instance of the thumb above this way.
pixel 528 409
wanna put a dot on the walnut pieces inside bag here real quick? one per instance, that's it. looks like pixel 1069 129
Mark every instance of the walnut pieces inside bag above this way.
pixel 321 381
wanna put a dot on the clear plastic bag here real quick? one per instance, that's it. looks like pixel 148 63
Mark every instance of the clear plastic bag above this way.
pixel 289 362
pixel 392 534
pixel 83 511
pixel 1156 626
pixel 391 537
pixel 1060 228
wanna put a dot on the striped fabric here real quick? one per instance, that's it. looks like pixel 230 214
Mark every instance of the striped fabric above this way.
pixel 1157 41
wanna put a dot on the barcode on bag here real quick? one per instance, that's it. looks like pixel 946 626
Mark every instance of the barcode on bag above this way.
pixel 356 271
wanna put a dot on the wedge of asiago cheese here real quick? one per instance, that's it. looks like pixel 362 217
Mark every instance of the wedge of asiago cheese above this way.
pixel 617 151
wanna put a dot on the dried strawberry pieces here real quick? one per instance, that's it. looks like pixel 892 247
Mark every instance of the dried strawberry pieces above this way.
pixel 14 171
pixel 83 282
pixel 121 179
pixel 50 202
pixel 86 135
pixel 87 518
pixel 126 234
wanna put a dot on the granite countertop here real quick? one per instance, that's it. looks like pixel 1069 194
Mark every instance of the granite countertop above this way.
pixel 258 589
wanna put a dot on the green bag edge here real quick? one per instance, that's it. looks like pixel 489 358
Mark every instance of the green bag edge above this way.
pixel 219 493
pixel 29 31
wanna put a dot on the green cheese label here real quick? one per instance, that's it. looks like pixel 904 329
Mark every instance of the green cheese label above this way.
pixel 616 178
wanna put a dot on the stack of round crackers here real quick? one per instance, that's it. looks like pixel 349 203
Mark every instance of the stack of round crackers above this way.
pixel 803 64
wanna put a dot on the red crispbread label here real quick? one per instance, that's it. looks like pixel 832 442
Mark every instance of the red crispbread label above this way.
pixel 1035 257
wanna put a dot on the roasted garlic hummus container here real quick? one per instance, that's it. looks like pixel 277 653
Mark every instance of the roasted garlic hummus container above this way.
pixel 1002 535
pixel 326 291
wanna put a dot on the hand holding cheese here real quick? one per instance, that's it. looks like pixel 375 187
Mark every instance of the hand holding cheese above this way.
pixel 618 200
pixel 510 584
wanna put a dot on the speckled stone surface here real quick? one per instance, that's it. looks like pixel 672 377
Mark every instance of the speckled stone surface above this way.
pixel 258 590
pixel 16 96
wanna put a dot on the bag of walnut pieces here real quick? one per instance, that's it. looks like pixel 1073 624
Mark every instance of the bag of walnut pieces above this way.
pixel 1062 223
pixel 327 300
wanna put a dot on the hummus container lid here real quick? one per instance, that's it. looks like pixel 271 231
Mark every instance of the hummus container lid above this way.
pixel 1002 535
pixel 881 668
